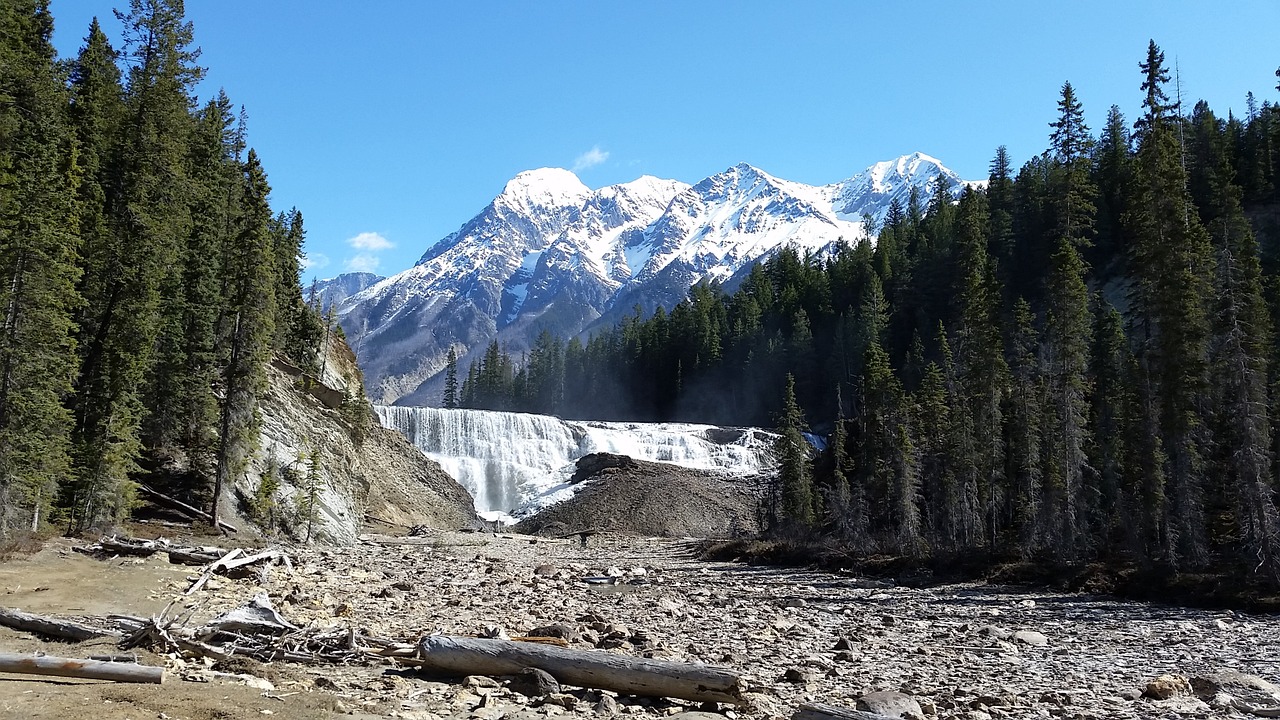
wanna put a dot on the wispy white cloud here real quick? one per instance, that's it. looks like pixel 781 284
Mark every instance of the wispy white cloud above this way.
pixel 590 158
pixel 370 241
pixel 363 262
pixel 315 261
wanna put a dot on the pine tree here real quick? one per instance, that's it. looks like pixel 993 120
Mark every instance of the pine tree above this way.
pixel 1027 519
pixel 106 415
pixel 1239 367
pixel 38 272
pixel 1113 160
pixel 149 219
pixel 932 428
pixel 1000 198
pixel 983 373
pixel 960 520
pixel 794 485
pixel 451 380
pixel 1171 266
pixel 846 500
pixel 183 411
pixel 299 329
pixel 1067 325
pixel 1108 455
pixel 249 326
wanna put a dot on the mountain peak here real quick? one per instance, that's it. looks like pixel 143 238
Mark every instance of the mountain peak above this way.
pixel 545 186
pixel 911 167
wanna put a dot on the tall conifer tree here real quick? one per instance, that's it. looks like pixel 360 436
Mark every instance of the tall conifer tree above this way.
pixel 795 498
pixel 1171 266
pixel 249 324
pixel 38 270
pixel 106 414
pixel 1067 324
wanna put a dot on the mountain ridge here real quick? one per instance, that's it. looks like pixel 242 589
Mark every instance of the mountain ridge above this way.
pixel 549 253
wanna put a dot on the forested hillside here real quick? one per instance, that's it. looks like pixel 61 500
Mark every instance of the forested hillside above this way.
pixel 144 278
pixel 1078 361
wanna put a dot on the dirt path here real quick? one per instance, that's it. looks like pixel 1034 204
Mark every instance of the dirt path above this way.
pixel 961 651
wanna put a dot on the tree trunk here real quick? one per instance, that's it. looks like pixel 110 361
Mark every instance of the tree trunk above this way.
pixel 49 627
pixel 585 668
pixel 88 669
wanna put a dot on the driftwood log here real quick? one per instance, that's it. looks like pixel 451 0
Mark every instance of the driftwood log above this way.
pixel 183 508
pixel 584 668
pixel 194 556
pixel 50 627
pixel 88 669
pixel 208 573
pixel 129 546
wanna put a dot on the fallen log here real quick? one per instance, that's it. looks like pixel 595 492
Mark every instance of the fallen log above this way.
pixel 194 556
pixel 584 668
pixel 50 627
pixel 128 546
pixel 88 669
pixel 814 711
pixel 208 574
pixel 229 565
pixel 183 507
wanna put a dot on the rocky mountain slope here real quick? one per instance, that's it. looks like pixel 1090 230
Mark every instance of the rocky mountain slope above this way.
pixel 551 254
pixel 334 291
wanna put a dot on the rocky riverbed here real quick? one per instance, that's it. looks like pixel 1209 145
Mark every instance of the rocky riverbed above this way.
pixel 960 651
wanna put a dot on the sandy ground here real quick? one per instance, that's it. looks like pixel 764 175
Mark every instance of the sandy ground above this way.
pixel 59 581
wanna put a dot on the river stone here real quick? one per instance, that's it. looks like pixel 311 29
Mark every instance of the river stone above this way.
pixel 535 682
pixel 480 681
pixel 890 704
pixel 1249 688
pixel 994 631
pixel 606 706
pixel 558 630
pixel 796 675
pixel 696 715
pixel 1031 637
pixel 1167 686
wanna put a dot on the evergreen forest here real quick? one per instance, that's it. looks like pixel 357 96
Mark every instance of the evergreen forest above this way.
pixel 1077 361
pixel 145 281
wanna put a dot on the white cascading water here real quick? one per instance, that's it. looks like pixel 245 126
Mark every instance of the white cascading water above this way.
pixel 514 463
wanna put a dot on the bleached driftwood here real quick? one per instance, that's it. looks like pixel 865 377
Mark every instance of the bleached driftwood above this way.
pixel 183 507
pixel 258 616
pixel 50 627
pixel 208 574
pixel 194 556
pixel 88 669
pixel 585 668
pixel 129 546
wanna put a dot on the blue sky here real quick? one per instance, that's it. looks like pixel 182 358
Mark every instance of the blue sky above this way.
pixel 389 123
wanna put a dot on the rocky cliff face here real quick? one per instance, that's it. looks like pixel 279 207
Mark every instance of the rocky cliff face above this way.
pixel 335 469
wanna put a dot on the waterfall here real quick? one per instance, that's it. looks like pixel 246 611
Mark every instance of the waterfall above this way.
pixel 509 461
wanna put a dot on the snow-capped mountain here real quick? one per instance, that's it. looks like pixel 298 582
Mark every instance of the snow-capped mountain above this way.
pixel 550 253
pixel 331 292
